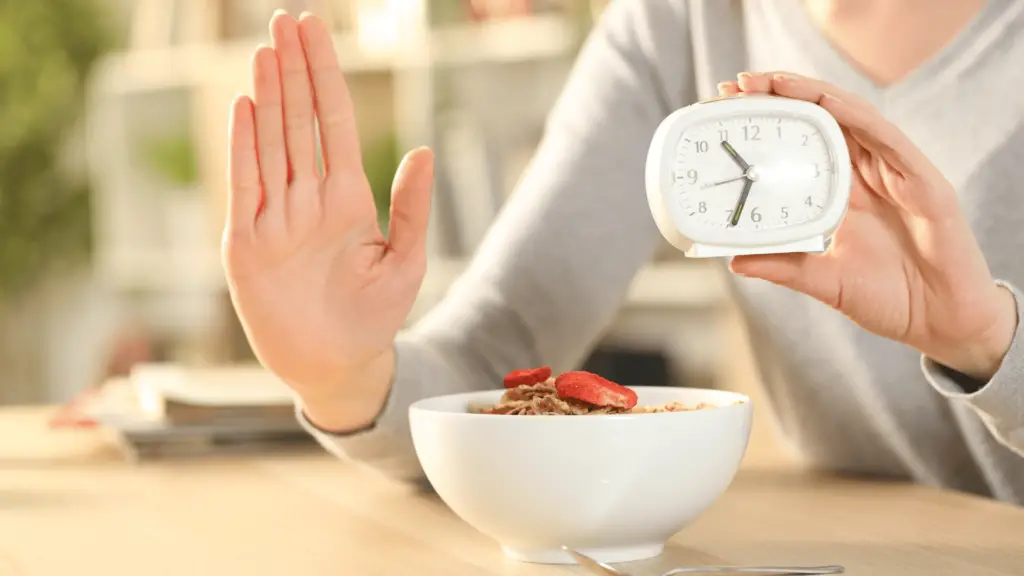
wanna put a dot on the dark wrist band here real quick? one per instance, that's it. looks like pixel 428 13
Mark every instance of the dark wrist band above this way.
pixel 966 383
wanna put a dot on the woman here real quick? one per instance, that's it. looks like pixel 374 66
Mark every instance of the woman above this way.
pixel 896 353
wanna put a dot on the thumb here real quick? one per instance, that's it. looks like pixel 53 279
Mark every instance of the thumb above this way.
pixel 410 202
pixel 815 275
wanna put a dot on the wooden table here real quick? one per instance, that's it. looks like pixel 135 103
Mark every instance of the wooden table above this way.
pixel 68 505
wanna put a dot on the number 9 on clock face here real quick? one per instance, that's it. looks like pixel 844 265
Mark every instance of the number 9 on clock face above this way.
pixel 748 175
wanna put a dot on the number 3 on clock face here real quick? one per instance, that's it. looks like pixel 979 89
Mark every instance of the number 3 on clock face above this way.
pixel 748 175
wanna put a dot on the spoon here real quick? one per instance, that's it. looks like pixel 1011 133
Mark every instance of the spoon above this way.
pixel 603 569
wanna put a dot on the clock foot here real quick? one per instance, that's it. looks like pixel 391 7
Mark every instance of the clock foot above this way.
pixel 813 245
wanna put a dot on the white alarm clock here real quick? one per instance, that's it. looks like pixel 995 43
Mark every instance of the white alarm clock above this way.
pixel 748 175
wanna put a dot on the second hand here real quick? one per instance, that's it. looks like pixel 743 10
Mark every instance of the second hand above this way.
pixel 720 182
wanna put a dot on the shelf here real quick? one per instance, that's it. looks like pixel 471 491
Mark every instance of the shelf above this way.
pixel 521 39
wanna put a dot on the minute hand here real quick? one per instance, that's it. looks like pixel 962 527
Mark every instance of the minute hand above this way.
pixel 735 156
pixel 743 200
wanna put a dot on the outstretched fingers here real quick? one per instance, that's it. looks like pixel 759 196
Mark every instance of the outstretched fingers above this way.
pixel 334 109
pixel 410 204
pixel 244 190
pixel 268 114
pixel 297 95
pixel 348 197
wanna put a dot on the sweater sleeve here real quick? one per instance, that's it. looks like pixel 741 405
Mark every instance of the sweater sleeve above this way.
pixel 558 261
pixel 1000 401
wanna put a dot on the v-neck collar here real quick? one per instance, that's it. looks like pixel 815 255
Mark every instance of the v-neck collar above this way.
pixel 829 57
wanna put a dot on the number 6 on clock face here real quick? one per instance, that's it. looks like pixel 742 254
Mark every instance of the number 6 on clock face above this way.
pixel 748 175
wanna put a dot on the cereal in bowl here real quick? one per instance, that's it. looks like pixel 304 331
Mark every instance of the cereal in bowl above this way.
pixel 535 391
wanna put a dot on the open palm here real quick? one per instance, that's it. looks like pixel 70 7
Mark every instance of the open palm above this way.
pixel 904 263
pixel 318 288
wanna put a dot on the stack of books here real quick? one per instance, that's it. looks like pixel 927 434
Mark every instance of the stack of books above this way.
pixel 168 410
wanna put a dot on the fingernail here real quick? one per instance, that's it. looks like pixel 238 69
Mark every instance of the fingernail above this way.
pixel 747 75
pixel 783 78
pixel 305 14
pixel 280 11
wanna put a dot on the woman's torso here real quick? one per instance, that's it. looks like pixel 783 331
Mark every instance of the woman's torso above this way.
pixel 847 399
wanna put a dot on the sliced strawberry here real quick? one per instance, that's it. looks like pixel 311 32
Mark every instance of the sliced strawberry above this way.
pixel 593 389
pixel 527 377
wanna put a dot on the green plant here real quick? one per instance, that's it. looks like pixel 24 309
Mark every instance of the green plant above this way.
pixel 380 162
pixel 47 49
pixel 174 158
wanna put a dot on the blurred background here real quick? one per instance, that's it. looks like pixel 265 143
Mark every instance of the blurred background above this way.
pixel 113 123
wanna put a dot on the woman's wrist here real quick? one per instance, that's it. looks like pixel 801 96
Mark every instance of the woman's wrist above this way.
pixel 354 399
pixel 980 358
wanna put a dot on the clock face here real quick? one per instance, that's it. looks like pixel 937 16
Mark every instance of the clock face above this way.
pixel 751 172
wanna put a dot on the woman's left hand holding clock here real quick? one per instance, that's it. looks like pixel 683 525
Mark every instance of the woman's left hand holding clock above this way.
pixel 904 264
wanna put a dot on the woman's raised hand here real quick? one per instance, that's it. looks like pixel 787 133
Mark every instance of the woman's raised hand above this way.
pixel 320 292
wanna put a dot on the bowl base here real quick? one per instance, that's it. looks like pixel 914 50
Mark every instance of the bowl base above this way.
pixel 607 555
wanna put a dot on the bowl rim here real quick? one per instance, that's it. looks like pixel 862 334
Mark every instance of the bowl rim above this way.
pixel 743 402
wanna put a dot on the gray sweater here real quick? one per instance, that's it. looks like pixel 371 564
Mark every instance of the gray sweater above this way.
pixel 559 260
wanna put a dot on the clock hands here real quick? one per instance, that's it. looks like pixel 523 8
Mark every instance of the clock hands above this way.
pixel 748 174
pixel 735 156
pixel 713 184
pixel 743 200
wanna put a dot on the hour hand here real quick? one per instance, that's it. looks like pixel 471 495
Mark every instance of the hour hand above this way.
pixel 735 156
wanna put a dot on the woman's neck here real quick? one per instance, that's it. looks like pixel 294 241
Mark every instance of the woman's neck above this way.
pixel 888 39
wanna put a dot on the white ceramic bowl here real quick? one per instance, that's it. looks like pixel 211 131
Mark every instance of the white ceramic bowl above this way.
pixel 616 487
